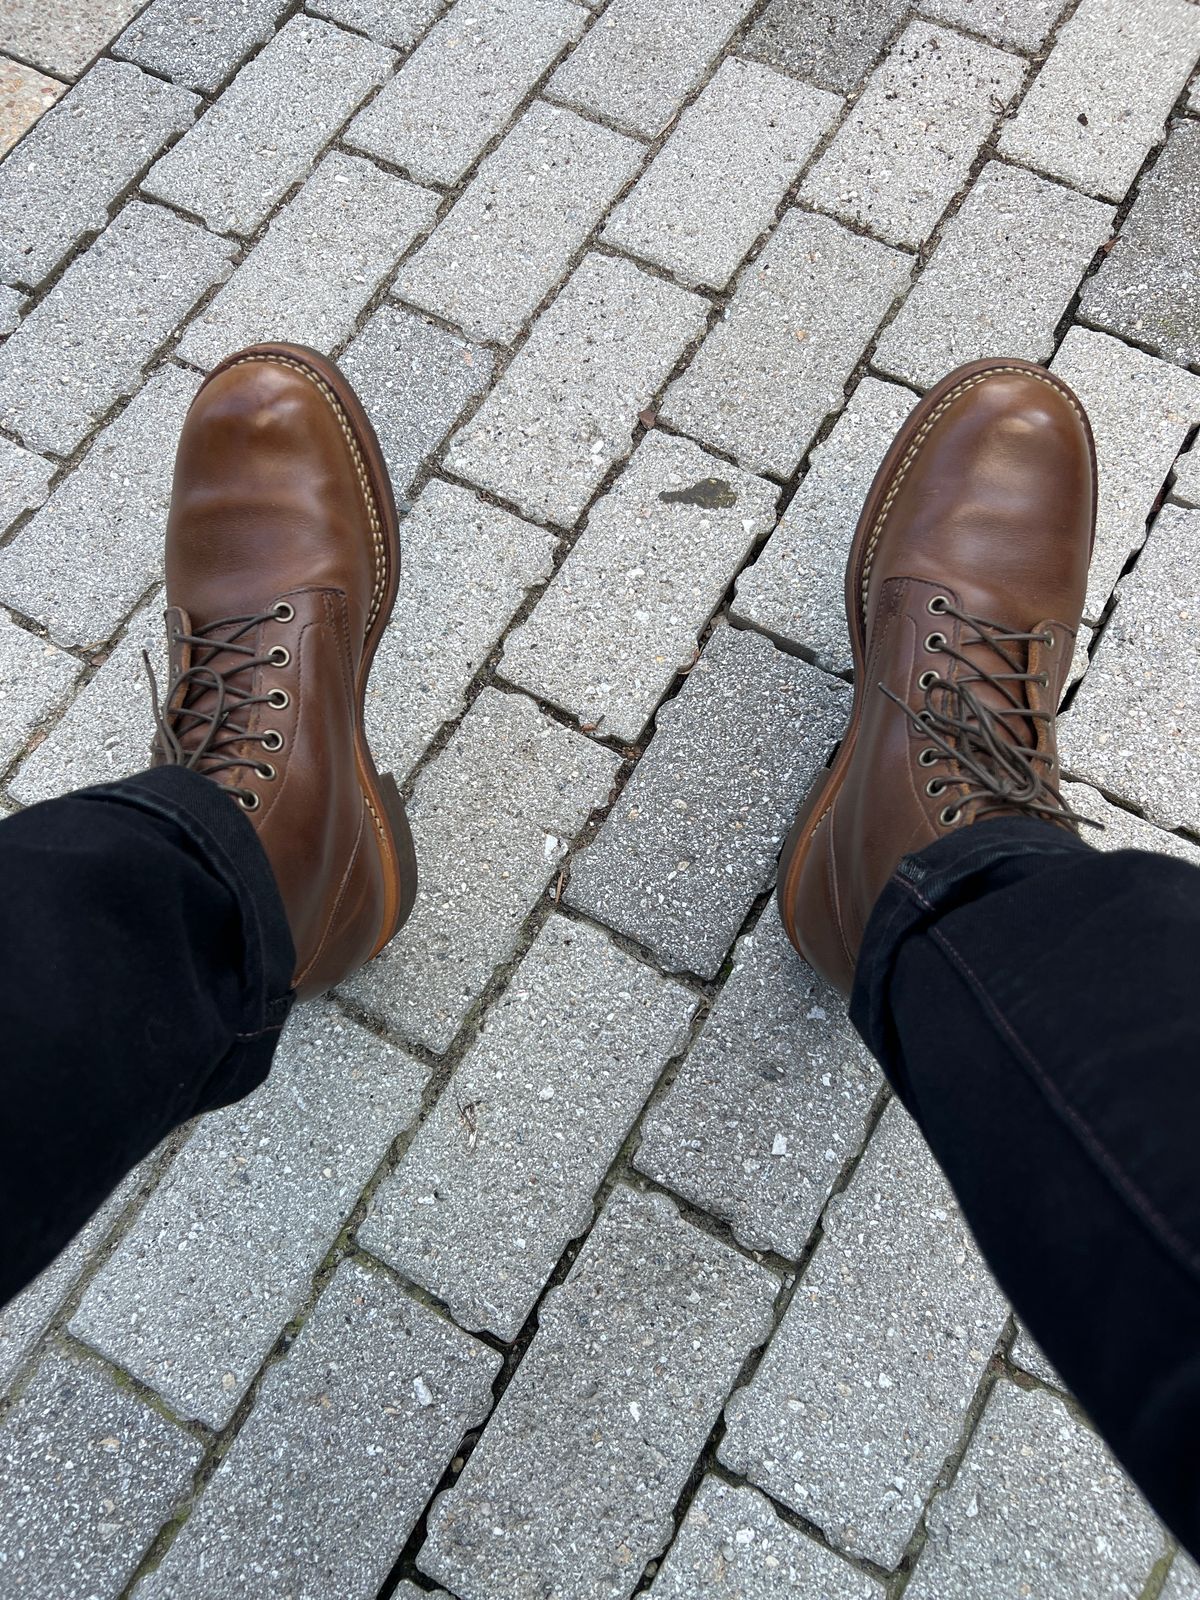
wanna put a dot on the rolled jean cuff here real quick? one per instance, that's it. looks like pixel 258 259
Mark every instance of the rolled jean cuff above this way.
pixel 925 886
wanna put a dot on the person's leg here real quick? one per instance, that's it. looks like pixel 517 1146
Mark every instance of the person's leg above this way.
pixel 147 973
pixel 1034 1003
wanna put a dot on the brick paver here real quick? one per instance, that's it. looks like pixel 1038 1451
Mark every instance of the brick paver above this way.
pixel 574 1247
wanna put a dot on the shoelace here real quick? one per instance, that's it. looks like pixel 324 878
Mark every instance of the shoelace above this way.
pixel 1000 772
pixel 181 719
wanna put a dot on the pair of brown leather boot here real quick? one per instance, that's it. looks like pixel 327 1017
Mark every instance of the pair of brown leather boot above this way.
pixel 964 590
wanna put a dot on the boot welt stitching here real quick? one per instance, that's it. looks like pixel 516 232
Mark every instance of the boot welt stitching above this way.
pixel 921 435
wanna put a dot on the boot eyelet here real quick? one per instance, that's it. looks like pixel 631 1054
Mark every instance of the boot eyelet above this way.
pixel 249 802
pixel 949 815
pixel 928 757
pixel 1048 640
pixel 935 642
pixel 279 655
pixel 925 718
pixel 934 787
pixel 267 771
pixel 927 680
pixel 1044 680
pixel 937 604
pixel 279 699
pixel 284 612
pixel 272 740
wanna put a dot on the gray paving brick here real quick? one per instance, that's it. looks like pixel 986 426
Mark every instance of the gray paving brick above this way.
pixel 1040 1505
pixel 347 1440
pixel 509 238
pixel 566 408
pixel 644 57
pixel 88 341
pixel 12 308
pixel 907 147
pixel 1028 1354
pixel 716 184
pixel 221 1258
pixel 87 557
pixel 59 184
pixel 268 127
pixel 1000 279
pixel 1183 1581
pixel 485 1201
pixel 1186 485
pixel 90 1475
pixel 1141 410
pixel 1122 829
pixel 106 731
pixel 734 1546
pixel 862 1391
pixel 491 818
pixel 1131 728
pixel 396 22
pixel 320 262
pixel 1103 96
pixel 571 1488
pixel 828 42
pixel 795 590
pixel 696 832
pixel 1148 289
pixel 24 482
pixel 35 680
pixel 416 380
pixel 199 42
pixel 622 615
pixel 463 82
pixel 467 567
pixel 63 37
pixel 771 1102
pixel 1018 24
pixel 777 364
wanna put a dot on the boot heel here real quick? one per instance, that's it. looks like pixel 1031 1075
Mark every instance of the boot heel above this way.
pixel 402 840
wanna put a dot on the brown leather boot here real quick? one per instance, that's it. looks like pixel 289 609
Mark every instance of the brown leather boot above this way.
pixel 964 590
pixel 282 564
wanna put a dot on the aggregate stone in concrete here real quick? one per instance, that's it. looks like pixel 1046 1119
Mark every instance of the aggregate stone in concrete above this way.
pixel 795 590
pixel 463 82
pixel 199 42
pixel 221 1258
pixel 833 43
pixel 415 380
pixel 88 341
pixel 59 185
pixel 348 1438
pixel 1122 830
pixel 644 57
pixel 90 1474
pixel 566 408
pixel 1185 486
pixel 1040 1506
pixel 268 127
pixel 1000 279
pixel 1141 410
pixel 1104 94
pixel 396 22
pixel 715 186
pixel 1183 1581
pixel 695 834
pixel 571 1488
pixel 622 615
pixel 63 37
pixel 772 1101
pixel 863 1389
pixel 776 365
pixel 35 679
pixel 1018 24
pixel 24 482
pixel 86 558
pixel 322 259
pixel 491 816
pixel 501 1175
pixel 907 147
pixel 106 731
pixel 510 236
pixel 1148 289
pixel 25 95
pixel 467 566
pixel 733 1545
pixel 1131 728
pixel 12 308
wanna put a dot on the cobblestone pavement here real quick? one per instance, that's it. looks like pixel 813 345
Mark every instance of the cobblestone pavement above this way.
pixel 575 1249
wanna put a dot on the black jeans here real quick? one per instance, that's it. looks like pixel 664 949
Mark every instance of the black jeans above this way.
pixel 1036 1005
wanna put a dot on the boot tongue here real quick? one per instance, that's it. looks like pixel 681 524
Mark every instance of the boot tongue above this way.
pixel 201 666
pixel 988 656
